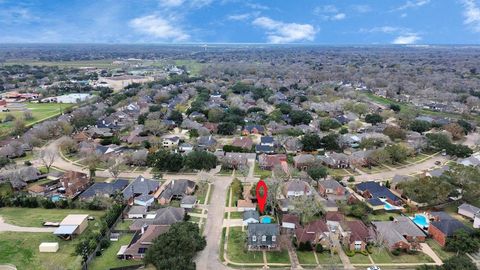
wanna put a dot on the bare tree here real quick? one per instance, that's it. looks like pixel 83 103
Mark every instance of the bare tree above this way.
pixel 47 157
pixel 155 127
pixel 115 166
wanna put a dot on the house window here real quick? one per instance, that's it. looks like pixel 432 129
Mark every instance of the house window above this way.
pixel 264 238
pixel 254 238
pixel 274 238
pixel 142 250
pixel 358 245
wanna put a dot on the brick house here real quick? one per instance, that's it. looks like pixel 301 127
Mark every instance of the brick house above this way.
pixel 332 187
pixel 73 183
pixel 444 226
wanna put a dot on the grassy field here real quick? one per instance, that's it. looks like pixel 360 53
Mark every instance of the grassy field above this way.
pixel 108 259
pixel 306 257
pixel 278 256
pixel 34 217
pixel 236 250
pixel 124 225
pixel 21 250
pixel 40 112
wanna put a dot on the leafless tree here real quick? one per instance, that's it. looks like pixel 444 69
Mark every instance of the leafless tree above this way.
pixel 47 157
pixel 115 166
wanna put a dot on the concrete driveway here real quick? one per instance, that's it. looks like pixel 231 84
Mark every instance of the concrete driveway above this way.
pixel 5 227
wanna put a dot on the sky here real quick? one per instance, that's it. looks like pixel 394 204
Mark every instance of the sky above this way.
pixel 331 22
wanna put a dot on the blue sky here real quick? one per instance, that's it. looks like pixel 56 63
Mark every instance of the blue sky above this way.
pixel 241 21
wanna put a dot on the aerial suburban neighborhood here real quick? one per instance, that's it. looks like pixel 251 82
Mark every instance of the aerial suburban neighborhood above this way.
pixel 236 156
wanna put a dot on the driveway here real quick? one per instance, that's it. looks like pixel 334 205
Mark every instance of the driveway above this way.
pixel 5 227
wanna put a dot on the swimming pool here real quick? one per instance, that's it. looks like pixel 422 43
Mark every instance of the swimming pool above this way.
pixel 387 206
pixel 266 219
pixel 56 198
pixel 421 220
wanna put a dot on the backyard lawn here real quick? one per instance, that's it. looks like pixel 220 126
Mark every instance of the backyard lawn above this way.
pixel 123 226
pixel 21 250
pixel 236 248
pixel 383 216
pixel 261 173
pixel 278 256
pixel 35 217
pixel 108 259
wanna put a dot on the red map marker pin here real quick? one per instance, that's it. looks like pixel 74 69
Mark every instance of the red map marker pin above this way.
pixel 261 199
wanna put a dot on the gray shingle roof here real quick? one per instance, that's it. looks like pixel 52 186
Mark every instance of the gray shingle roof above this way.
pixel 251 214
pixel 140 186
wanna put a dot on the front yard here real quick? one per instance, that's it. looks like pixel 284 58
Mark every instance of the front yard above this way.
pixel 35 217
pixel 439 250
pixel 278 257
pixel 236 248
pixel 383 256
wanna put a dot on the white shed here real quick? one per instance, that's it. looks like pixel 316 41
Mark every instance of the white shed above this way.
pixel 48 247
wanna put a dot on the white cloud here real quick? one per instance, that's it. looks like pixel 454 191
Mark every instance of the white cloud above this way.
pixel 362 8
pixel 384 29
pixel 338 17
pixel 329 12
pixel 407 39
pixel 239 17
pixel 280 32
pixel 159 28
pixel 472 14
pixel 171 3
pixel 413 4
pixel 256 6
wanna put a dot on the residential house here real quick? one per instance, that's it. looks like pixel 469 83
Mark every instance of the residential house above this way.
pixel 315 232
pixel 444 226
pixel 138 187
pixel 252 129
pixel 185 148
pixel 163 216
pixel 188 202
pixel 81 136
pixel 292 145
pixel 73 183
pixel 303 161
pixel 264 149
pixel 262 236
pixel 243 142
pixel 357 235
pixel 296 188
pixel 245 205
pixel 176 189
pixel 290 222
pixel 268 162
pixel 359 158
pixel 437 172
pixel 335 160
pixel 144 199
pixel 267 140
pixel 468 210
pixel 234 160
pixel 206 143
pixel 331 187
pixel 141 242
pixel 104 189
pixel 170 142
pixel 44 189
pixel 400 233
pixel 137 211
pixel 397 179
pixel 250 216
pixel 375 192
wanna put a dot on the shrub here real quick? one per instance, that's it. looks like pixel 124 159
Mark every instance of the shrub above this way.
pixel 391 218
pixel 351 179
pixel 364 252
pixel 350 253
pixel 319 248
pixel 396 252
pixel 369 248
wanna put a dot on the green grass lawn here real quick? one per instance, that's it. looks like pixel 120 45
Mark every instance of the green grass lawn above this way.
pixel 121 226
pixel 261 173
pixel 236 248
pixel 34 217
pixel 236 215
pixel 21 250
pixel 327 258
pixel 359 259
pixel 306 257
pixel 278 256
pixel 383 256
pixel 439 250
pixel 5 189
pixel 383 216
pixel 108 259
pixel 201 192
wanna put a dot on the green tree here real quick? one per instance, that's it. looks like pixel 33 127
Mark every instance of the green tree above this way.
pixel 200 160
pixel 226 128
pixel 427 190
pixel 328 123
pixel 458 263
pixel 373 118
pixel 215 115
pixel 176 117
pixel 398 152
pixel 316 173
pixel 462 242
pixel 311 142
pixel 175 249
pixel 165 161
pixel 394 133
pixel 420 126
pixel 330 142
pixel 395 107
pixel 300 117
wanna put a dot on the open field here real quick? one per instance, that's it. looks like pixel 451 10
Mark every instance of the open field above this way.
pixel 108 259
pixel 21 250
pixel 40 112
pixel 34 217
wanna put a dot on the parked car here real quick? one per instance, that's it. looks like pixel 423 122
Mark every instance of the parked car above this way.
pixel 374 268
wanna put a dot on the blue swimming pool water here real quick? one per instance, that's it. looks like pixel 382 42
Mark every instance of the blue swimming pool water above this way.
pixel 421 220
pixel 388 206
pixel 55 198
pixel 266 219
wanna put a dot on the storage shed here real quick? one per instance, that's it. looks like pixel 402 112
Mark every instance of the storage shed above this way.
pixel 48 247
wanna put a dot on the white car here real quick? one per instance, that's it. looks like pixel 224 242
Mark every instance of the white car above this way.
pixel 374 268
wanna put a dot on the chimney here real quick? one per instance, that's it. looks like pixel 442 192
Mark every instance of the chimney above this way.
pixel 143 229
pixel 173 182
